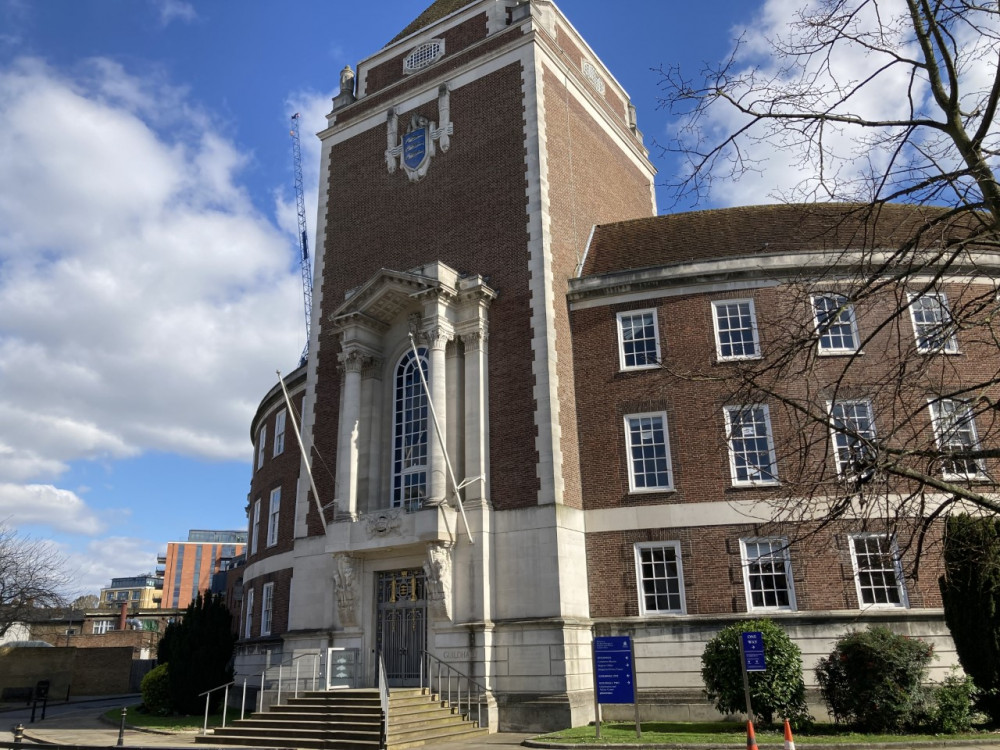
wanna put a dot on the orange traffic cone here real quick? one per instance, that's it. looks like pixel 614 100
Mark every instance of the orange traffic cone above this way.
pixel 751 739
pixel 789 741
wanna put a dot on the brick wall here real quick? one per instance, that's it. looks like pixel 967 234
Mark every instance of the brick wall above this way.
pixel 469 212
pixel 822 570
pixel 456 39
pixel 590 181
pixel 282 581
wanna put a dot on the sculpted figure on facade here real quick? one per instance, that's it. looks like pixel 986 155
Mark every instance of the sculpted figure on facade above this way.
pixel 345 581
pixel 437 572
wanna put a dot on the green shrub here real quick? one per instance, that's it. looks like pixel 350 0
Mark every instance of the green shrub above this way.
pixel 872 680
pixel 953 701
pixel 970 592
pixel 779 691
pixel 155 687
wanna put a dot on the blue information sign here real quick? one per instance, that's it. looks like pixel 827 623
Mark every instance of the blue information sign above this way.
pixel 613 668
pixel 753 651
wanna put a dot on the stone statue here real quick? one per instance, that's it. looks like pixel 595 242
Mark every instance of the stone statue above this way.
pixel 437 572
pixel 345 581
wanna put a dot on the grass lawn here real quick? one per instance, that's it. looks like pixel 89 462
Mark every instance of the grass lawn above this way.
pixel 167 723
pixel 709 733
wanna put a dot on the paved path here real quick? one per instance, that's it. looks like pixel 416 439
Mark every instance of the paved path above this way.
pixel 82 726
pixel 85 727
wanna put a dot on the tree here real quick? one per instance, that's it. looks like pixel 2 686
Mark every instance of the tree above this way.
pixel 32 575
pixel 199 650
pixel 875 102
pixel 87 601
pixel 970 591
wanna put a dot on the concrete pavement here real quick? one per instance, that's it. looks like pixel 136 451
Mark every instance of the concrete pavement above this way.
pixel 89 729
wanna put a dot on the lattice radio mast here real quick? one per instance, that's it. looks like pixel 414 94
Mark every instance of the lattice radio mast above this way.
pixel 300 205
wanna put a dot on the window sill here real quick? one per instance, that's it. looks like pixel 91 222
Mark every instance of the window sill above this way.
pixel 653 491
pixel 663 614
pixel 933 352
pixel 753 485
pixel 840 352
pixel 639 368
pixel 720 360
pixel 980 478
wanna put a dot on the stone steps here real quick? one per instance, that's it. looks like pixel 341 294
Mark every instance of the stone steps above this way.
pixel 349 720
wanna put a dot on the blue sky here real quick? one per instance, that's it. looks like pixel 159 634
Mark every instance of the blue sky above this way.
pixel 149 286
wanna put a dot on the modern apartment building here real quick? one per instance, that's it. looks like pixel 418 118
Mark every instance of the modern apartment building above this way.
pixel 188 566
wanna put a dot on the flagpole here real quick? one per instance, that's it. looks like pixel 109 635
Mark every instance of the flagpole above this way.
pixel 305 456
pixel 444 448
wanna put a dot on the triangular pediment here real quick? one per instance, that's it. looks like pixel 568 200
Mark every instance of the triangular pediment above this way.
pixel 390 294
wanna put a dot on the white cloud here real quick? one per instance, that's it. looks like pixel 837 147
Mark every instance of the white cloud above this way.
pixel 144 303
pixel 45 504
pixel 111 557
pixel 175 10
pixel 783 168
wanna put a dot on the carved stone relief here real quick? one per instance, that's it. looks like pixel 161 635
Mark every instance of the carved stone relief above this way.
pixel 345 581
pixel 438 572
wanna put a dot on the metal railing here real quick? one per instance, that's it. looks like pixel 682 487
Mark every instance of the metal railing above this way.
pixel 438 677
pixel 383 695
pixel 271 678
pixel 225 701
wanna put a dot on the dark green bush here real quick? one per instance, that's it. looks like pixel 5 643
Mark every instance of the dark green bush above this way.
pixel 970 591
pixel 778 692
pixel 199 650
pixel 155 687
pixel 953 709
pixel 872 680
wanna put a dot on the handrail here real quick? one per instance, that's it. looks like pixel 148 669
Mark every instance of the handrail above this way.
pixel 317 659
pixel 429 661
pixel 208 695
pixel 383 694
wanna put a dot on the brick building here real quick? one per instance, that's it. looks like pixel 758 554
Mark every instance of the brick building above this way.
pixel 188 566
pixel 487 225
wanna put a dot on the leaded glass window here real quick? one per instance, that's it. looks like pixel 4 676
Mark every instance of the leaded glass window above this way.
pixel 410 432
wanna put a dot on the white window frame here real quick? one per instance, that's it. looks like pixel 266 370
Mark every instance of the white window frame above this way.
pixel 773 465
pixel 753 329
pixel 840 440
pixel 273 513
pixel 897 570
pixel 103 626
pixel 621 339
pixel 676 546
pixel 945 426
pixel 410 476
pixel 633 486
pixel 279 432
pixel 255 527
pixel 248 614
pixel 845 309
pixel 266 608
pixel 921 330
pixel 779 555
pixel 261 442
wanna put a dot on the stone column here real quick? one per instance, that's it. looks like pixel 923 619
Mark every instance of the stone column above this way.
pixel 437 490
pixel 476 418
pixel 351 362
pixel 455 428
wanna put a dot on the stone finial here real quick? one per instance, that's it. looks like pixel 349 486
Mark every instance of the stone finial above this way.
pixel 347 81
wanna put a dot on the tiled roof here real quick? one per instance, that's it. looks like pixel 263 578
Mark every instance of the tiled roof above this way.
pixel 435 12
pixel 702 235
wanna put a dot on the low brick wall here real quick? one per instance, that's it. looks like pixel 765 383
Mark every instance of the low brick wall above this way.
pixel 70 671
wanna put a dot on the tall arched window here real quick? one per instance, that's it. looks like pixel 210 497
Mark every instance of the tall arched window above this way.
pixel 409 432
